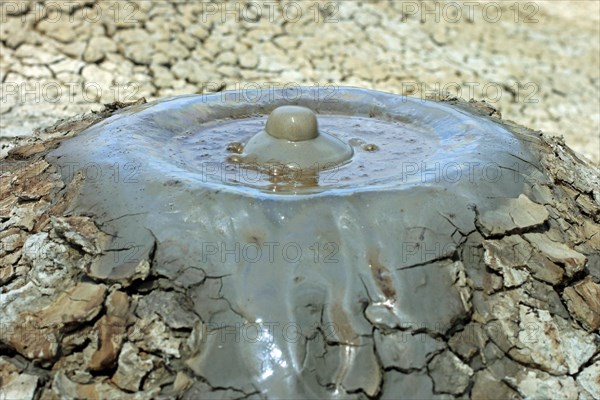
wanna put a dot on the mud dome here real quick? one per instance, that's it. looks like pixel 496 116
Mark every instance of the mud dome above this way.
pixel 315 269
pixel 456 256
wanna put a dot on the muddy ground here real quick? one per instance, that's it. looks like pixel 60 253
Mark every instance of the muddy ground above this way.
pixel 535 61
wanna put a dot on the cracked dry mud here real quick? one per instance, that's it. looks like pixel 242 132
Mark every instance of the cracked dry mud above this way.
pixel 520 315
pixel 539 64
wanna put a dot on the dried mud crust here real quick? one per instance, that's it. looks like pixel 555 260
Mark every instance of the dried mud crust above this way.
pixel 529 278
pixel 59 59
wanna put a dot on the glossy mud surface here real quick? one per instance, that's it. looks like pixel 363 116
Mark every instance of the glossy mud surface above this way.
pixel 390 142
pixel 313 270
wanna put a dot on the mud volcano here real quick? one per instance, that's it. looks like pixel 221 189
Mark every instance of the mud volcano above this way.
pixel 287 244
